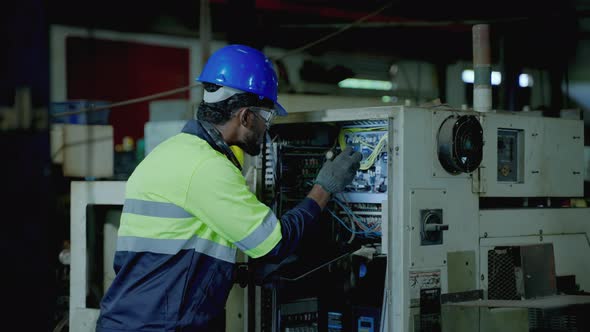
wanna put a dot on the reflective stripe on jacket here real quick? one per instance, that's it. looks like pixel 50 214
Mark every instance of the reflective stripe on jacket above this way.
pixel 187 210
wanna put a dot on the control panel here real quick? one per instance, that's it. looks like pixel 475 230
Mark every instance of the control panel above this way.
pixel 294 155
pixel 510 155
pixel 371 142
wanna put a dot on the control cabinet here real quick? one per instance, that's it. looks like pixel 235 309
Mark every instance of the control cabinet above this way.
pixel 406 231
pixel 326 272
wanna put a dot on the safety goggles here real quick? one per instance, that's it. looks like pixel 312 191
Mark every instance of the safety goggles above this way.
pixel 266 114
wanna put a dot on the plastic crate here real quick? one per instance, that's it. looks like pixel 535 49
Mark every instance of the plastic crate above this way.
pixel 91 118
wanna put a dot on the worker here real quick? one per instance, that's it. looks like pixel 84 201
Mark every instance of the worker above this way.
pixel 188 208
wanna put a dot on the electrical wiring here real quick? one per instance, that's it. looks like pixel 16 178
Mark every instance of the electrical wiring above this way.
pixel 352 235
pixel 335 33
pixel 344 131
pixel 353 219
pixel 376 150
pixel 370 161
pixel 368 145
pixel 273 158
pixel 367 230
pixel 346 226
pixel 351 215
pixel 273 155
pixel 129 101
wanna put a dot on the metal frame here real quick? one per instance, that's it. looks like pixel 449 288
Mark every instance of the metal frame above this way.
pixel 59 34
pixel 83 319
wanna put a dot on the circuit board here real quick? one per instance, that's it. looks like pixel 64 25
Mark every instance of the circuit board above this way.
pixel 371 142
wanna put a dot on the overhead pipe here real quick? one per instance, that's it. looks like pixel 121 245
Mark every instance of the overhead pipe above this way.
pixel 482 68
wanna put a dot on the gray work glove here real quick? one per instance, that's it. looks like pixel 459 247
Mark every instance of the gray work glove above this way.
pixel 339 172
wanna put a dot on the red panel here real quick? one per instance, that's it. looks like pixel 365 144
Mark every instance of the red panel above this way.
pixel 116 71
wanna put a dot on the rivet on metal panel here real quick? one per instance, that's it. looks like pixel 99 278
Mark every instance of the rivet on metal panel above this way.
pixel 433 174
pixel 445 261
pixel 485 234
pixel 482 277
pixel 412 192
pixel 412 227
pixel 412 263
pixel 444 192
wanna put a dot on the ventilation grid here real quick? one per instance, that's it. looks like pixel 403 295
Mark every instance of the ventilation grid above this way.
pixel 501 275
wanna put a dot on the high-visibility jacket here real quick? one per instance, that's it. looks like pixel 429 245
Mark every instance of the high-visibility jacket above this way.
pixel 187 210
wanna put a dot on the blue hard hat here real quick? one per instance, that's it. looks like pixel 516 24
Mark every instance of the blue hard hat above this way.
pixel 244 68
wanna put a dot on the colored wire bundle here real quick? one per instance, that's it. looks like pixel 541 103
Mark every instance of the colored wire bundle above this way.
pixel 368 231
pixel 374 155
pixel 376 149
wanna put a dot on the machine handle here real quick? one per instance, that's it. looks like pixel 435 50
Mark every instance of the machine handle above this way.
pixel 436 227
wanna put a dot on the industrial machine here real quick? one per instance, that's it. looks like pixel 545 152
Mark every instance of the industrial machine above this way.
pixel 452 215
pixel 456 221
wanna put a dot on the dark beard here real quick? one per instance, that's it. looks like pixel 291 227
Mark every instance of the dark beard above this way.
pixel 251 145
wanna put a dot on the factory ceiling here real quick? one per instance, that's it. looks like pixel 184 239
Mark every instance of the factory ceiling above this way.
pixel 535 32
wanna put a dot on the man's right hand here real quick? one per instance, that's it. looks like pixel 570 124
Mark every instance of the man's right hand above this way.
pixel 336 174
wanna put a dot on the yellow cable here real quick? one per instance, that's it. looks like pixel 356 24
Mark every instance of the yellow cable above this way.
pixel 370 160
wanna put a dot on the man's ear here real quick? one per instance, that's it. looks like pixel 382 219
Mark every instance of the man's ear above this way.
pixel 245 117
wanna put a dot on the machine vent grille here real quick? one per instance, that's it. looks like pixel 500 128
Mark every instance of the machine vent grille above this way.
pixel 501 275
pixel 556 320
